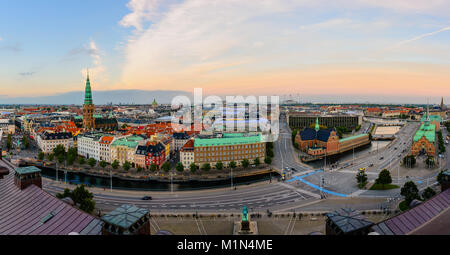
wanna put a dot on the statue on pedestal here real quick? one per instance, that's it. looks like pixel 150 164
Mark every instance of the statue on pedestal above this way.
pixel 245 223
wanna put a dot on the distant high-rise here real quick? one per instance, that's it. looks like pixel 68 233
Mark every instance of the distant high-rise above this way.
pixel 442 104
pixel 88 107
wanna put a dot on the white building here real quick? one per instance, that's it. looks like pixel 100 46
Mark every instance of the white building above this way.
pixel 179 140
pixel 187 154
pixel 48 141
pixel 7 126
pixel 89 146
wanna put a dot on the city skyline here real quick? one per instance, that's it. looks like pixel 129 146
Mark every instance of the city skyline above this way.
pixel 357 49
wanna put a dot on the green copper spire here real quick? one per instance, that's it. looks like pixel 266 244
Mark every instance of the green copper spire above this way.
pixel 317 124
pixel 88 92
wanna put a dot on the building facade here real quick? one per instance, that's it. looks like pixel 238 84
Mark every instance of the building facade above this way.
pixel 187 154
pixel 301 121
pixel 48 141
pixel 424 140
pixel 227 148
pixel 124 149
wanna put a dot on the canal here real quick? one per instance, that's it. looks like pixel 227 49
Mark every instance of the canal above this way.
pixel 151 185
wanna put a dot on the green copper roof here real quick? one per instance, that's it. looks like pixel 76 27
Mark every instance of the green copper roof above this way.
pixel 228 139
pixel 88 92
pixel 131 141
pixel 27 170
pixel 432 117
pixel 426 130
pixel 125 216
pixel 352 137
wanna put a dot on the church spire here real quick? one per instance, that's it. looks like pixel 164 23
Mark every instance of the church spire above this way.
pixel 87 91
pixel 317 124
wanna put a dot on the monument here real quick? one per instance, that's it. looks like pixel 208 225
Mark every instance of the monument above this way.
pixel 245 226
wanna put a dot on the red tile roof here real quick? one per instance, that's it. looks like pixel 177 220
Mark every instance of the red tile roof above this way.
pixel 21 212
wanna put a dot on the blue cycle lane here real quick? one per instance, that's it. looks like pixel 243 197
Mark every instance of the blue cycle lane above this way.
pixel 301 178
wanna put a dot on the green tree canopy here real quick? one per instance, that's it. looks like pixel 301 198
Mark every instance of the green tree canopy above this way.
pixel 428 193
pixel 245 163
pixel 115 164
pixel 410 192
pixel 126 166
pixel 384 177
pixel 166 167
pixel 219 165
pixel 233 165
pixel 193 168
pixel 92 162
pixel 179 167
pixel 153 167
pixel 206 167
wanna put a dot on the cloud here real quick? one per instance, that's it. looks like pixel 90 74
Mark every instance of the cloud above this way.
pixel 194 43
pixel 141 11
pixel 27 74
pixel 16 48
pixel 97 73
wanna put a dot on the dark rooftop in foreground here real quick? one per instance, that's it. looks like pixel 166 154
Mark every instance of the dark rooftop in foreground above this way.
pixel 347 220
pixel 32 211
pixel 27 170
pixel 429 218
pixel 125 216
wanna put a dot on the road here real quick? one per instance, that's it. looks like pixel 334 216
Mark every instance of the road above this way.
pixel 305 187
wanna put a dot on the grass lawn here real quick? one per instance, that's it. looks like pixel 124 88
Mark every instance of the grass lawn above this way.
pixel 386 187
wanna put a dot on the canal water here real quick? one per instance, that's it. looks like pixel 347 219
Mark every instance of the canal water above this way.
pixel 150 185
pixel 348 155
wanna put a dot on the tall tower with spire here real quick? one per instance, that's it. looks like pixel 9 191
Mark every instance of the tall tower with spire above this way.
pixel 442 104
pixel 317 128
pixel 88 107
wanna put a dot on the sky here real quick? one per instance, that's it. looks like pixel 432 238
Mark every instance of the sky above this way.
pixel 348 48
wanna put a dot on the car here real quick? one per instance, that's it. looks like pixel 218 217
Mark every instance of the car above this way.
pixel 381 158
pixel 371 165
pixel 146 198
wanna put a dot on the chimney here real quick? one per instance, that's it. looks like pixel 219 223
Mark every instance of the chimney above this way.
pixel 26 176
pixel 3 172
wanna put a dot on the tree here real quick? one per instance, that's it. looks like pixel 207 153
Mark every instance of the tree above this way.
pixel 440 177
pixel 70 159
pixel 428 193
pixel 384 177
pixel 87 205
pixel 245 163
pixel 92 162
pixel 206 167
pixel 166 167
pixel 115 164
pixel 429 161
pixel 361 178
pixel 25 142
pixel 410 192
pixel 50 157
pixel 80 193
pixel 81 161
pixel 67 193
pixel 256 162
pixel 72 151
pixel 219 165
pixel 193 168
pixel 126 166
pixel 9 142
pixel 139 168
pixel 268 160
pixel 61 158
pixel 41 155
pixel 270 153
pixel 179 167
pixel 409 161
pixel 59 150
pixel 103 164
pixel 153 167
pixel 233 165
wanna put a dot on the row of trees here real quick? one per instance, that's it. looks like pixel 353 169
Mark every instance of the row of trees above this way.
pixel 441 142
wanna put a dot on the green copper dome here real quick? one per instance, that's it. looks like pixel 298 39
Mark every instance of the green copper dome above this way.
pixel 88 92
